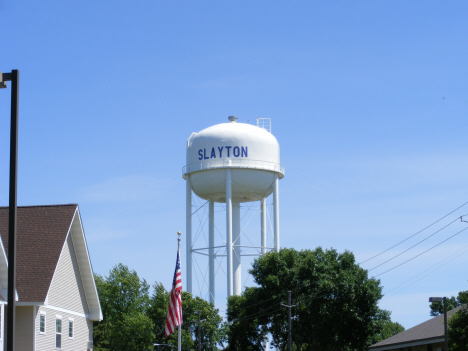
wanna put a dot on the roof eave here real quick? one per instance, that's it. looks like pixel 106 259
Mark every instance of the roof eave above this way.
pixel 407 344
pixel 85 266
pixel 30 303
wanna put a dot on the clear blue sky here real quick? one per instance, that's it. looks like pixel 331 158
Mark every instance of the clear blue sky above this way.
pixel 368 101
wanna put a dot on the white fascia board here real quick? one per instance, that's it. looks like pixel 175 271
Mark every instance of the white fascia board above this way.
pixel 4 273
pixel 95 315
pixel 3 268
pixel 85 266
pixel 5 294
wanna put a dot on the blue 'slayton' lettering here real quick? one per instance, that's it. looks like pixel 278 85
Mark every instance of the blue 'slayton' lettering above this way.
pixel 244 151
pixel 236 152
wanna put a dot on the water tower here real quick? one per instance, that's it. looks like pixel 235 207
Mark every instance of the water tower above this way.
pixel 232 163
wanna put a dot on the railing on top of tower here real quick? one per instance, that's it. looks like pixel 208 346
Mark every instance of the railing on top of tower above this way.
pixel 233 163
pixel 264 123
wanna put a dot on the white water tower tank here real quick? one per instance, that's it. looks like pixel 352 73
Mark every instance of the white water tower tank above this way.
pixel 232 163
pixel 252 154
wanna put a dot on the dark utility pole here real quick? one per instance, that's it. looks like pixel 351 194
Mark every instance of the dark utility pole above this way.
pixel 14 78
pixel 289 306
pixel 445 323
pixel 199 329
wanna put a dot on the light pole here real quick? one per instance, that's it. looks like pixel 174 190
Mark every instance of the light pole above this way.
pixel 444 300
pixel 14 78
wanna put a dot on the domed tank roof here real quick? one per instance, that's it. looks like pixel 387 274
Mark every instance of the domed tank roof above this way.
pixel 252 150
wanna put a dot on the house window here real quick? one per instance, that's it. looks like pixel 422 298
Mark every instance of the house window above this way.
pixel 70 328
pixel 58 333
pixel 42 323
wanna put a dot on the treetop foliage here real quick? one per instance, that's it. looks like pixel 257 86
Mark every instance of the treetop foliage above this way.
pixel 458 330
pixel 337 303
pixel 335 308
pixel 124 302
pixel 133 320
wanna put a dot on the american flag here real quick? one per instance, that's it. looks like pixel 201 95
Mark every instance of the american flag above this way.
pixel 174 314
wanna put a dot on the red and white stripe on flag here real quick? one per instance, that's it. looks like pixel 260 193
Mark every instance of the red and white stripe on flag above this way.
pixel 174 313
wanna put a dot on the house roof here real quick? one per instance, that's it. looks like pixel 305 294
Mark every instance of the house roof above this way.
pixel 41 233
pixel 427 332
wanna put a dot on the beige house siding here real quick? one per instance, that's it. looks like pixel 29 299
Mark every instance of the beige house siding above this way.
pixel 24 324
pixel 66 290
pixel 46 341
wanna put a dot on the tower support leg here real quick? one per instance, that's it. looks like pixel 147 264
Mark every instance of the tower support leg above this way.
pixel 188 229
pixel 211 252
pixel 229 232
pixel 236 239
pixel 276 213
pixel 263 225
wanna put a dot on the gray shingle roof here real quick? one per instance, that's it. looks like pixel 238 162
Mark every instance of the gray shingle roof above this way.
pixel 431 329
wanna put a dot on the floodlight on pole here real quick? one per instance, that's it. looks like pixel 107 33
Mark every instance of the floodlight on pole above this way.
pixel 444 300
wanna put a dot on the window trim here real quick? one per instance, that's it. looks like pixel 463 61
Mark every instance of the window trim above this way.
pixel 42 314
pixel 72 321
pixel 58 318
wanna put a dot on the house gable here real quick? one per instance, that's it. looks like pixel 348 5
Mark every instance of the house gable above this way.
pixel 73 287
pixel 44 233
pixel 54 277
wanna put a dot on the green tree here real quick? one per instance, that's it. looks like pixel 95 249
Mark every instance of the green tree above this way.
pixel 124 299
pixel 337 302
pixel 391 328
pixel 247 328
pixel 387 327
pixel 213 330
pixel 458 330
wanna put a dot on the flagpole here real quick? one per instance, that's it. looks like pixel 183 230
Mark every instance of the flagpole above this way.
pixel 180 339
pixel 179 329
